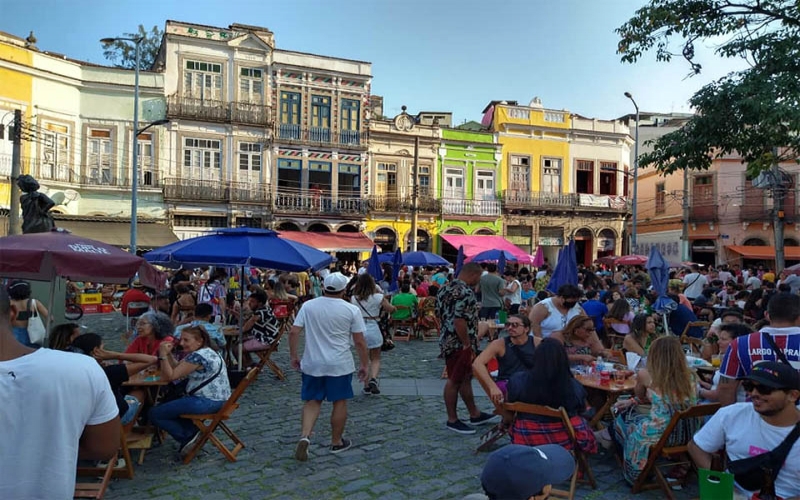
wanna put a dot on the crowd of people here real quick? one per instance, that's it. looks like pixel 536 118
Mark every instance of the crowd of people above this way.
pixel 753 333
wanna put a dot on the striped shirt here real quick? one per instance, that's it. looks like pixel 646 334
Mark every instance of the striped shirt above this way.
pixel 748 350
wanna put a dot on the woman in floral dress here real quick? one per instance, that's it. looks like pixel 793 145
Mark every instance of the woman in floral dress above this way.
pixel 668 386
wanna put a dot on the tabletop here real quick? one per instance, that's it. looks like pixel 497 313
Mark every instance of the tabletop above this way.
pixel 143 379
pixel 592 383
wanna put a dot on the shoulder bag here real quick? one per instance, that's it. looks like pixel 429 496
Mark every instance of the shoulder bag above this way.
pixel 177 389
pixel 388 343
pixel 36 329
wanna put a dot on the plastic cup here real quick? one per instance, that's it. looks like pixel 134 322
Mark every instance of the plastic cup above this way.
pixel 716 360
pixel 619 378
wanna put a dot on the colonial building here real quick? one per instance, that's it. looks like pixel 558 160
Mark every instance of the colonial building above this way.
pixel 391 181
pixel 262 136
pixel 564 178
pixel 469 169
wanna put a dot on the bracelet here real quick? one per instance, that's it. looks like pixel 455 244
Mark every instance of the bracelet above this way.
pixel 162 358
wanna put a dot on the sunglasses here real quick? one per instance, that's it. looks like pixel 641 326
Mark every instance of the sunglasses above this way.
pixel 762 389
pixel 514 324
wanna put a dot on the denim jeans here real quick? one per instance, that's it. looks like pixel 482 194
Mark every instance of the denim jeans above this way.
pixel 165 416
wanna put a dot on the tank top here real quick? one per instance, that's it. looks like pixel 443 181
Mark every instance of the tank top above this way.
pixel 517 358
pixel 556 321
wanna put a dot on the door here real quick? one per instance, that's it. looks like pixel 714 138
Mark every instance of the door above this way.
pixel 485 203
pixel 453 198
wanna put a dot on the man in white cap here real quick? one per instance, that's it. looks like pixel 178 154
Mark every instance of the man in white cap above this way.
pixel 517 472
pixel 327 366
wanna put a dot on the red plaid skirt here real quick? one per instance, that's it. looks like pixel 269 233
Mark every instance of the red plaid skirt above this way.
pixel 532 433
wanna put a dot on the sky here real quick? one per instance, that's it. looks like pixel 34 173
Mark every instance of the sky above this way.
pixel 430 55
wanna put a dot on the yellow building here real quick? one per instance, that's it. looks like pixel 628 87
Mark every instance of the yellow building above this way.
pixel 16 84
pixel 557 179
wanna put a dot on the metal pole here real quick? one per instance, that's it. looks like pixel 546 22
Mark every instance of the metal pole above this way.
pixel 135 169
pixel 685 206
pixel 778 194
pixel 16 170
pixel 414 196
pixel 635 181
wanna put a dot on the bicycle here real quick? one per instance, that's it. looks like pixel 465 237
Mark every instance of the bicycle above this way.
pixel 72 310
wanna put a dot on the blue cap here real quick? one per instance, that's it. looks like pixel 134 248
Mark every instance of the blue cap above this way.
pixel 517 472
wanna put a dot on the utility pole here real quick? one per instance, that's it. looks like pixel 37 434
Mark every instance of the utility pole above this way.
pixel 778 194
pixel 16 168
pixel 414 195
pixel 685 233
pixel 635 210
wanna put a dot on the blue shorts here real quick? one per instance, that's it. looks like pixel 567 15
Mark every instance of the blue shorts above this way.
pixel 133 407
pixel 328 388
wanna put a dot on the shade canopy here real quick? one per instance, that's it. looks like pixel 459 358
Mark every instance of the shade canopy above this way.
pixel 764 252
pixel 331 242
pixel 631 260
pixel 45 256
pixel 493 255
pixel 118 232
pixel 474 244
pixel 566 270
pixel 374 265
pixel 241 247
pixel 416 259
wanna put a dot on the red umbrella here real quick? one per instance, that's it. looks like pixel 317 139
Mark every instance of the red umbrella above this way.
pixel 608 260
pixel 631 260
pixel 45 256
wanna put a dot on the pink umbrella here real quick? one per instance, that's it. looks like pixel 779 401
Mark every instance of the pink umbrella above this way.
pixel 45 256
pixel 538 258
pixel 631 260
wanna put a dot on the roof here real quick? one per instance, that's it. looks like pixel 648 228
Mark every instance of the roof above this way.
pixel 472 126
pixel 493 103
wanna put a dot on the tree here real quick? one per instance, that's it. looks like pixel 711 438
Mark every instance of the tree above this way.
pixel 748 112
pixel 123 53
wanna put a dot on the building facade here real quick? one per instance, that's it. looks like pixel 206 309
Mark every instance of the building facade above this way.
pixel 262 137
pixel 469 169
pixel 564 178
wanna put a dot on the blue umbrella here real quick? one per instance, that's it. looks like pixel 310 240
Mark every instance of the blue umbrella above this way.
pixel 374 266
pixel 501 263
pixel 459 260
pixel 658 269
pixel 418 259
pixel 397 263
pixel 386 257
pixel 493 255
pixel 566 270
pixel 240 246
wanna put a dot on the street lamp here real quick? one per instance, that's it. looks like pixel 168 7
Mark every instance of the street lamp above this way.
pixel 635 172
pixel 135 170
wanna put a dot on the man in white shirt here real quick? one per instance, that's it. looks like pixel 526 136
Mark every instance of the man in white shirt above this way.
pixel 750 429
pixel 790 279
pixel 330 323
pixel 694 283
pixel 55 407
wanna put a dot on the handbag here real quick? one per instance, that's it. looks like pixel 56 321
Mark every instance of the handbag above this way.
pixel 750 472
pixel 388 343
pixel 36 329
pixel 177 389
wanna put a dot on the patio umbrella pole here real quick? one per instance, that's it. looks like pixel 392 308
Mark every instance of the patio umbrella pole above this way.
pixel 50 301
pixel 241 322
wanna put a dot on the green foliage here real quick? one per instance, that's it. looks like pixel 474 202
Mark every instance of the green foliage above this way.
pixel 747 112
pixel 122 53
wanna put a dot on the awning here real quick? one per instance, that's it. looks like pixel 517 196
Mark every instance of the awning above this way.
pixel 475 244
pixel 331 242
pixel 764 253
pixel 118 233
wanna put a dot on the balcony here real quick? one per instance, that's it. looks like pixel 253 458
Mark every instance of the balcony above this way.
pixel 536 200
pixel 478 208
pixel 298 202
pixel 192 108
pixel 321 136
pixel 403 204
pixel 703 212
pixel 217 191
pixel 752 205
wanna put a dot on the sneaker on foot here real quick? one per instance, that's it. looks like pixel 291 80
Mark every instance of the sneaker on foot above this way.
pixel 366 391
pixel 460 427
pixel 338 448
pixel 373 386
pixel 187 447
pixel 301 450
pixel 484 418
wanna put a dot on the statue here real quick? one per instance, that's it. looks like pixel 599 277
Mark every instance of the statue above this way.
pixel 35 207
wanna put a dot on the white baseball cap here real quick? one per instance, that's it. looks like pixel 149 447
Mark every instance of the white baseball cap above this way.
pixel 335 282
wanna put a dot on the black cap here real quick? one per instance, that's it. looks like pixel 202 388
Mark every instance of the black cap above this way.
pixel 774 374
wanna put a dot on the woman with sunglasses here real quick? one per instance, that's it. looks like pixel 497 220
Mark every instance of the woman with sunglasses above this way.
pixel 513 353
pixel 581 341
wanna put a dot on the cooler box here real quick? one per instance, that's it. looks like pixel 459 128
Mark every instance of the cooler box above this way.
pixel 90 298
pixel 91 308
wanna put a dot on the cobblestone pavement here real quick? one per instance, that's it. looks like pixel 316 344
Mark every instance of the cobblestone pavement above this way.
pixel 401 448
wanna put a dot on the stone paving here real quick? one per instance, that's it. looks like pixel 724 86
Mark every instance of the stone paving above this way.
pixel 401 448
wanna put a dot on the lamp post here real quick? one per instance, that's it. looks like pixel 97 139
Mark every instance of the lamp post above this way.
pixel 635 172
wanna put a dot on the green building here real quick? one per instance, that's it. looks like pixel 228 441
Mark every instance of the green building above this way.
pixel 469 170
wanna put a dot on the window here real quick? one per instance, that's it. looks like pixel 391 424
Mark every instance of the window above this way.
pixel 351 110
pixel 424 181
pixel 608 178
pixel 203 80
pixel 349 180
pixel 249 162
pixel 454 183
pixel 99 157
pixel 584 176
pixel 289 174
pixel 290 115
pixel 520 173
pixel 251 85
pixel 147 174
pixel 387 179
pixel 55 161
pixel 661 198
pixel 484 185
pixel 551 175
pixel 320 118
pixel 202 159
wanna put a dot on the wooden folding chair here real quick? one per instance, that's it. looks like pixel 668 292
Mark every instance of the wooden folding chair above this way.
pixel 583 472
pixel 408 324
pixel 264 357
pixel 669 447
pixel 217 421
pixel 615 338
pixel 695 343
pixel 284 313
pixel 95 490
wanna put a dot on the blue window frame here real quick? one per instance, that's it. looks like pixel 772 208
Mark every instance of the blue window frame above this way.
pixel 290 115
pixel 351 109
